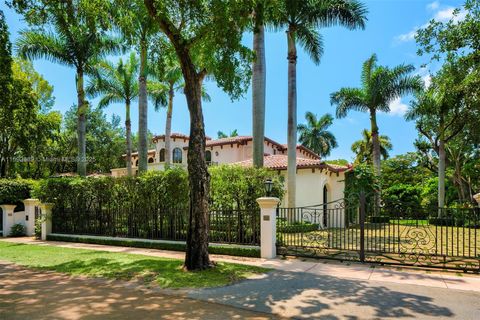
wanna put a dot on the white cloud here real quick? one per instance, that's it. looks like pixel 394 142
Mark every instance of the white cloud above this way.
pixel 406 37
pixel 398 108
pixel 448 14
pixel 426 76
pixel 427 80
pixel 441 15
pixel 433 6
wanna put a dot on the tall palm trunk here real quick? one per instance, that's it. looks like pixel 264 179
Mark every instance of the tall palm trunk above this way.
pixel 292 119
pixel 142 110
pixel 258 95
pixel 168 126
pixel 128 127
pixel 81 126
pixel 375 143
pixel 376 159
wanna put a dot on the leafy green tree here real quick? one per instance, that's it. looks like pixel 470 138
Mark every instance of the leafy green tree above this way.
pixel 26 131
pixel 456 41
pixel 117 84
pixel 380 86
pixel 5 63
pixel 302 19
pixel 440 116
pixel 315 136
pixel 105 138
pixel 138 28
pixel 207 41
pixel 363 148
pixel 71 33
pixel 222 135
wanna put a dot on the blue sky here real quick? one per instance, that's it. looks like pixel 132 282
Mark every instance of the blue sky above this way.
pixel 389 34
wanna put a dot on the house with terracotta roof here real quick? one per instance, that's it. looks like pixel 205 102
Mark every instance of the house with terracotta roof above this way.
pixel 317 181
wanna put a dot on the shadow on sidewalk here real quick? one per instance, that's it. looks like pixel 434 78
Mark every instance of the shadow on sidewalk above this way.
pixel 305 295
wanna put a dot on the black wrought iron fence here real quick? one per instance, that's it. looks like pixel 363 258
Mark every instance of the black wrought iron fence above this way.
pixel 386 232
pixel 156 223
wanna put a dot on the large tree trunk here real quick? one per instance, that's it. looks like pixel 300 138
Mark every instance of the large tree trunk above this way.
pixel 142 110
pixel 82 107
pixel 128 127
pixel 168 127
pixel 196 257
pixel 258 96
pixel 292 120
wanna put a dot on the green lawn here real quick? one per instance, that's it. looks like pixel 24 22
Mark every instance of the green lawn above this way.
pixel 167 273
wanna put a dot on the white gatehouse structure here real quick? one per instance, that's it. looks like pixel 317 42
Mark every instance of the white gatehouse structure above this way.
pixel 317 182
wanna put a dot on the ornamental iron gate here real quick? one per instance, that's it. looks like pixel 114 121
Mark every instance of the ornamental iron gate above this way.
pixel 389 233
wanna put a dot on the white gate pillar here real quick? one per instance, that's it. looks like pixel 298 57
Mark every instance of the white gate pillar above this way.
pixel 30 205
pixel 477 198
pixel 46 219
pixel 8 220
pixel 268 226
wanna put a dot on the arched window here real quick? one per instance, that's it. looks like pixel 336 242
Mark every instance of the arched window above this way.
pixel 208 156
pixel 136 163
pixel 162 155
pixel 177 155
pixel 150 160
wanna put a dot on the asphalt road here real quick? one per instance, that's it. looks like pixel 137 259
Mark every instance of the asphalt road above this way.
pixel 310 296
pixel 26 294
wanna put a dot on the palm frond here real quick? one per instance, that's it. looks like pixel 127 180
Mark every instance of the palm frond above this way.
pixel 347 99
pixel 350 14
pixel 311 41
pixel 34 44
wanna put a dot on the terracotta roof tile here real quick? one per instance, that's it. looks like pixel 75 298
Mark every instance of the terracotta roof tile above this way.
pixel 280 161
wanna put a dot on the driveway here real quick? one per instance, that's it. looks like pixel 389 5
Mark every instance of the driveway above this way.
pixel 27 294
pixel 320 296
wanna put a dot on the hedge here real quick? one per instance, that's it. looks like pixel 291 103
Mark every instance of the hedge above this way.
pixel 180 246
pixel 13 191
pixel 299 227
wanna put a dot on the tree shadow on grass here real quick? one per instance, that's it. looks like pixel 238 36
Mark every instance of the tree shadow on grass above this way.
pixel 29 294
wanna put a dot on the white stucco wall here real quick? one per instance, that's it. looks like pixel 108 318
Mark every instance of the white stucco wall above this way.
pixel 310 185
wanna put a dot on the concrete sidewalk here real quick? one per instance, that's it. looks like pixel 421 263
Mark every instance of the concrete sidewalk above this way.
pixel 352 271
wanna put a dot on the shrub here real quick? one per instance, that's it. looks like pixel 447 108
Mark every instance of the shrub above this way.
pixel 298 227
pixel 17 230
pixel 379 219
pixel 13 191
pixel 441 221
pixel 38 229
pixel 236 187
pixel 225 249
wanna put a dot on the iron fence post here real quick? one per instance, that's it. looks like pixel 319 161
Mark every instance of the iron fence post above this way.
pixel 362 227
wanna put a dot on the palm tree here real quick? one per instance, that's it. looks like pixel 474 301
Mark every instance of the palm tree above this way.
pixel 315 136
pixel 73 40
pixel 117 84
pixel 302 18
pixel 168 80
pixel 364 148
pixel 380 86
pixel 138 27
pixel 223 135
pixel 258 82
